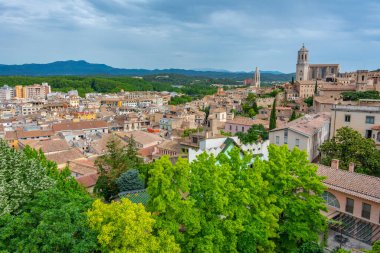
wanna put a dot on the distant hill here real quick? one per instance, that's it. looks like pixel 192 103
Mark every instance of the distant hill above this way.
pixel 83 68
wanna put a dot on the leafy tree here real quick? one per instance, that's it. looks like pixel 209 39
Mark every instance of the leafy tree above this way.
pixel 249 107
pixel 20 179
pixel 356 95
pixel 53 221
pixel 111 165
pixel 293 180
pixel 375 248
pixel 126 227
pixel 254 134
pixel 349 146
pixel 310 247
pixel 293 116
pixel 130 180
pixel 180 100
pixel 309 101
pixel 218 207
pixel 273 118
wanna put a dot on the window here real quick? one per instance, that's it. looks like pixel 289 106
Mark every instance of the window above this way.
pixel 242 129
pixel 230 127
pixel 277 139
pixel 330 199
pixel 236 128
pixel 286 136
pixel 362 78
pixel 368 134
pixel 349 205
pixel 347 118
pixel 370 120
pixel 366 211
pixel 297 142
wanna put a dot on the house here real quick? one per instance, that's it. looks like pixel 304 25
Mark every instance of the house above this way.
pixel 92 126
pixel 216 146
pixel 363 118
pixel 306 133
pixel 142 139
pixel 353 200
pixel 242 124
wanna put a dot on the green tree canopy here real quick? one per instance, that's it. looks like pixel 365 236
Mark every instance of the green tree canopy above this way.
pixel 126 227
pixel 349 146
pixel 228 204
pixel 254 134
pixel 20 179
pixel 111 165
pixel 130 180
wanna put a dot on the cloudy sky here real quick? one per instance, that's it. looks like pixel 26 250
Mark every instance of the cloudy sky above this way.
pixel 192 34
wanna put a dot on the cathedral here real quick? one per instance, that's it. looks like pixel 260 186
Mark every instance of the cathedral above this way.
pixel 307 72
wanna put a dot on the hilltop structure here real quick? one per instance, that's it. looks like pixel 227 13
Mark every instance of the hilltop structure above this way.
pixel 307 72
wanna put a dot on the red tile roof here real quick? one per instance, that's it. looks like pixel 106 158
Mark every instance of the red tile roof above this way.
pixel 88 180
pixel 67 126
pixel 352 183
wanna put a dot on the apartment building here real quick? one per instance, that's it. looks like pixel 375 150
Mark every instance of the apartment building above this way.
pixel 306 133
pixel 6 93
pixel 36 91
pixel 353 200
pixel 363 118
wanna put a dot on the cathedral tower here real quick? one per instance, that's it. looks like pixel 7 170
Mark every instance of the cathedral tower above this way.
pixel 302 67
pixel 256 80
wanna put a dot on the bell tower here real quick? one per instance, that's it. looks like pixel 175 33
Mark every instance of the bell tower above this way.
pixel 302 67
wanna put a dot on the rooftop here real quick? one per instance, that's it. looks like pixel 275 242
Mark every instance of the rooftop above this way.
pixel 67 126
pixel 351 183
pixel 308 124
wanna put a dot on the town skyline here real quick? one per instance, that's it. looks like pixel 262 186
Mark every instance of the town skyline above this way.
pixel 233 36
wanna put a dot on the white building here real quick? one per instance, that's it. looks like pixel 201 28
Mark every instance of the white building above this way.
pixel 306 133
pixel 215 146
pixel 6 93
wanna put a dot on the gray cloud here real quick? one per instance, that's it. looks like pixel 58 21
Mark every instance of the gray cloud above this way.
pixel 235 35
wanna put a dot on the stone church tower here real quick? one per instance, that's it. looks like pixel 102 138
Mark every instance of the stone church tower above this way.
pixel 256 80
pixel 302 64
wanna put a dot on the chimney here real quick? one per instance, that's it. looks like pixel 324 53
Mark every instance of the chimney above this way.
pixel 351 167
pixel 335 164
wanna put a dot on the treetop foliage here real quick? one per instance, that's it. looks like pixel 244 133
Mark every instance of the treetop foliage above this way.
pixel 350 146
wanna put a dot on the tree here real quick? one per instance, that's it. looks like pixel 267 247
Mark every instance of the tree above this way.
pixel 254 134
pixel 349 146
pixel 53 221
pixel 309 101
pixel 130 180
pixel 310 247
pixel 20 179
pixel 293 116
pixel 298 189
pixel 292 80
pixel 126 227
pixel 218 207
pixel 316 87
pixel 273 118
pixel 375 248
pixel 111 165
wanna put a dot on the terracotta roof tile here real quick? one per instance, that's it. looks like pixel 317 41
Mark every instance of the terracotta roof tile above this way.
pixel 67 126
pixel 355 184
pixel 88 180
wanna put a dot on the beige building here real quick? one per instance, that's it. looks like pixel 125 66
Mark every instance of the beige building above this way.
pixel 353 200
pixel 362 118
pixel 306 71
pixel 306 133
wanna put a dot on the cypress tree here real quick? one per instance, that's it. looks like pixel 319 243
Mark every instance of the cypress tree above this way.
pixel 316 87
pixel 272 120
pixel 293 116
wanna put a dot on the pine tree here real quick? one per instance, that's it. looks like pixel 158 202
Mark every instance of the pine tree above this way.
pixel 292 79
pixel 272 120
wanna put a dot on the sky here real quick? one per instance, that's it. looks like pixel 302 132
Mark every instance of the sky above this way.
pixel 235 35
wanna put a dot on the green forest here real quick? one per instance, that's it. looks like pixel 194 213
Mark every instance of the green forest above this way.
pixel 107 84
